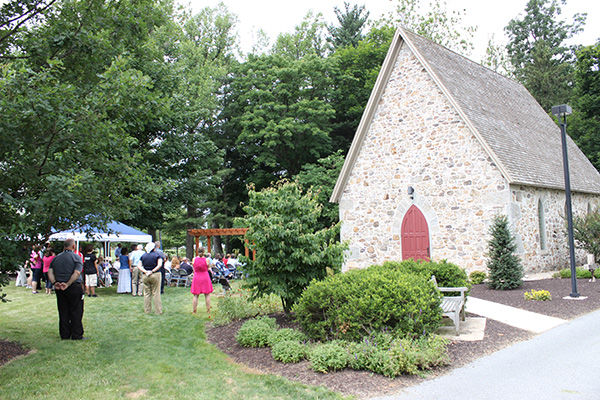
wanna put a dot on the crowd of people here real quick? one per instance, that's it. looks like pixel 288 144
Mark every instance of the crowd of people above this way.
pixel 139 270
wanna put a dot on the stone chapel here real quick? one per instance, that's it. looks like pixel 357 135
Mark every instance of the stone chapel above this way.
pixel 445 145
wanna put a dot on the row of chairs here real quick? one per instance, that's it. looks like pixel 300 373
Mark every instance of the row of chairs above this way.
pixel 179 277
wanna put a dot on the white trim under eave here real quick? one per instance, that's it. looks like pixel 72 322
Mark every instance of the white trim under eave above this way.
pixel 367 117
pixel 458 109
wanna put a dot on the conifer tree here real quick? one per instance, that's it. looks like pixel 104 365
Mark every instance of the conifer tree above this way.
pixel 506 270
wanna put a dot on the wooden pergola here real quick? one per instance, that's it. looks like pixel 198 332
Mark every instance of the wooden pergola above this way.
pixel 196 233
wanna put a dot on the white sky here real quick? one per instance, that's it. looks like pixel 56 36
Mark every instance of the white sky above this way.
pixel 490 16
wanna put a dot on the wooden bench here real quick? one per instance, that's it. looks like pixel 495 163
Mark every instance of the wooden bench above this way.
pixel 453 307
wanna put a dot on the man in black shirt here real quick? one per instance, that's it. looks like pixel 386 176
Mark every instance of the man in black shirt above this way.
pixel 65 275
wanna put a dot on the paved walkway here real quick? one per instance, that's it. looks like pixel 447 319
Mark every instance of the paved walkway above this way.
pixel 561 363
pixel 512 316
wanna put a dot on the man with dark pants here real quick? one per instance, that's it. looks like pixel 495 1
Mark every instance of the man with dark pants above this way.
pixel 162 269
pixel 65 274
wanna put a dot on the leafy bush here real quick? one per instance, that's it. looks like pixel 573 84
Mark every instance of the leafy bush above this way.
pixel 538 295
pixel 328 356
pixel 350 305
pixel 581 273
pixel 400 356
pixel 285 334
pixel 238 304
pixel 477 277
pixel 424 353
pixel 506 270
pixel 292 248
pixel 256 332
pixel 288 351
pixel 446 274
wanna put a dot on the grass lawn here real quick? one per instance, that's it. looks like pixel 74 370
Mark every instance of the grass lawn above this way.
pixel 128 355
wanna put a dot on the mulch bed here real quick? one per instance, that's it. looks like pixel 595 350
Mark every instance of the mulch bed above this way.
pixel 10 350
pixel 558 288
pixel 359 383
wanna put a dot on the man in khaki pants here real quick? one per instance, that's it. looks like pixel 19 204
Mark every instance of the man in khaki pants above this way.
pixel 151 263
pixel 136 274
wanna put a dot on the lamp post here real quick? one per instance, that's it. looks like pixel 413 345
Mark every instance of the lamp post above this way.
pixel 562 111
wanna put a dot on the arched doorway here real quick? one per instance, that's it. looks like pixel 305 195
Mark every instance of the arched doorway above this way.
pixel 415 235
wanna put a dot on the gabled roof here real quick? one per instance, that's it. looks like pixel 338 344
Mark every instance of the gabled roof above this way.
pixel 513 129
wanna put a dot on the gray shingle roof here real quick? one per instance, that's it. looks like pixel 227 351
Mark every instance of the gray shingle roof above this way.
pixel 517 131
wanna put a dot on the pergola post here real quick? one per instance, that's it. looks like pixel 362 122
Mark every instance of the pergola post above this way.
pixel 197 245
pixel 208 244
pixel 246 253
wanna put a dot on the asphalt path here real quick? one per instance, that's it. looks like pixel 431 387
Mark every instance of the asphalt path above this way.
pixel 562 363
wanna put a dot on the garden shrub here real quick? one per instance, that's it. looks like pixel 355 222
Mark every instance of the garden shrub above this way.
pixel 538 295
pixel 238 304
pixel 446 274
pixel 424 353
pixel 285 334
pixel 256 332
pixel 581 273
pixel 328 356
pixel 350 305
pixel 400 356
pixel 477 277
pixel 288 351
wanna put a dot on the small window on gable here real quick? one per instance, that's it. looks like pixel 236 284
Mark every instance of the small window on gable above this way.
pixel 542 224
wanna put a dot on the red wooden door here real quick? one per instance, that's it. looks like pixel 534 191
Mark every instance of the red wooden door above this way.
pixel 415 235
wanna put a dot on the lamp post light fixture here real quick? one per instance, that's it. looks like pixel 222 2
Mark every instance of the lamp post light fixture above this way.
pixel 561 112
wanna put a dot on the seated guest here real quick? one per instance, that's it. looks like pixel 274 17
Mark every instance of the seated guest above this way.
pixel 185 265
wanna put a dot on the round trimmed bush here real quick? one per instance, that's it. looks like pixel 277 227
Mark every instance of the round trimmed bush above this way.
pixel 256 332
pixel 285 334
pixel 350 305
pixel 446 274
pixel 288 351
pixel 328 356
pixel 477 277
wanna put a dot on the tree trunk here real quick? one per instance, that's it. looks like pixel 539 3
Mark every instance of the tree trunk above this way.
pixel 217 247
pixel 152 232
pixel 189 239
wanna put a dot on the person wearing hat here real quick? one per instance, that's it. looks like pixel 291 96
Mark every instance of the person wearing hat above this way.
pixel 151 265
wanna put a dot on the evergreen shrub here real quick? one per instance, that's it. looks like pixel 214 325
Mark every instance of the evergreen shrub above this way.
pixel 350 305
pixel 285 334
pixel 288 351
pixel 506 270
pixel 256 332
pixel 328 356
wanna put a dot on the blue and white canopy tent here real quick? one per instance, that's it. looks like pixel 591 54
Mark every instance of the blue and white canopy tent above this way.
pixel 115 232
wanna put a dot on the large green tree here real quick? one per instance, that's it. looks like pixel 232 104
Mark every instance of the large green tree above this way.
pixel 537 49
pixel 584 125
pixel 71 95
pixel 356 70
pixel 291 250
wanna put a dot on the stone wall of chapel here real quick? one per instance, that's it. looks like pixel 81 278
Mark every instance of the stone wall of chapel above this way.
pixel 525 223
pixel 417 139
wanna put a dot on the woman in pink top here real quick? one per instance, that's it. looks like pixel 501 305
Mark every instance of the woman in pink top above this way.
pixel 201 282
pixel 36 268
pixel 48 257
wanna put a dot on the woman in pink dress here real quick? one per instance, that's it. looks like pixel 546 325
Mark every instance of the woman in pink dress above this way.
pixel 201 282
